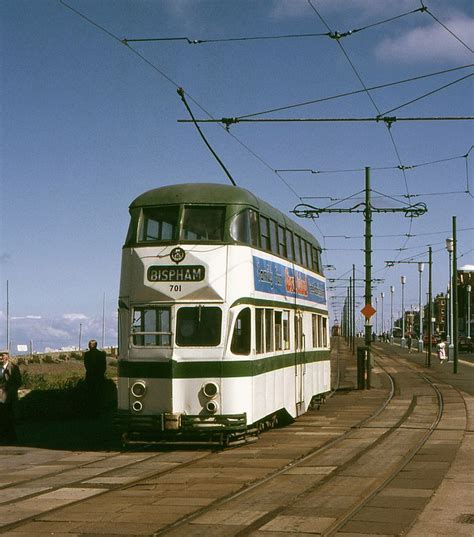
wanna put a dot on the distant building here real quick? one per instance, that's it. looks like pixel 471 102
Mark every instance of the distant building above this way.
pixel 440 314
pixel 465 277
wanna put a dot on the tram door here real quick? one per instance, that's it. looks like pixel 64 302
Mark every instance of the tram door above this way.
pixel 300 367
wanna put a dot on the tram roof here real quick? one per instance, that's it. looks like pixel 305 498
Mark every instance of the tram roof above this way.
pixel 214 194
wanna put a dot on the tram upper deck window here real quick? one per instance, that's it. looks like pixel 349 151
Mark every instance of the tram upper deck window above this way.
pixel 198 326
pixel 159 224
pixel 203 223
pixel 244 227
pixel 151 326
pixel 265 233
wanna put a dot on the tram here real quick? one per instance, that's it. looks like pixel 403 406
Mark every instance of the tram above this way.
pixel 223 318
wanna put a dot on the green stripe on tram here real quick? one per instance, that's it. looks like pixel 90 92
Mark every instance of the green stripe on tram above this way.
pixel 215 369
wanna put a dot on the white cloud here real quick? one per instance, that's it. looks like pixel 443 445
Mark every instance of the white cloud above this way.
pixel 429 43
pixel 75 317
pixel 26 317
pixel 360 9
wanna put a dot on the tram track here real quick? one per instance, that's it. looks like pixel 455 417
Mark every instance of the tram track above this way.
pixel 293 482
pixel 269 520
pixel 97 477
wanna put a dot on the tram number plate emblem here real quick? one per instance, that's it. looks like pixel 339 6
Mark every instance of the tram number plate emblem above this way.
pixel 171 273
pixel 177 255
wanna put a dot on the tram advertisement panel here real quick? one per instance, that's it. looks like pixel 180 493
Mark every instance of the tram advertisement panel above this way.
pixel 278 279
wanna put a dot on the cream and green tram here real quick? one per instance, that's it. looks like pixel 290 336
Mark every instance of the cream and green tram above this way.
pixel 223 320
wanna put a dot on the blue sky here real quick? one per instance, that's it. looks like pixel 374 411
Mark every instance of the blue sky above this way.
pixel 87 125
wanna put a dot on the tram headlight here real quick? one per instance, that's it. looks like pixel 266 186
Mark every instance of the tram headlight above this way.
pixel 210 389
pixel 212 407
pixel 137 406
pixel 138 389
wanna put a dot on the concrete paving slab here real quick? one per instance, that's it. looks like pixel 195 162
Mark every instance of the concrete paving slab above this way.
pixel 11 494
pixel 295 524
pixel 229 517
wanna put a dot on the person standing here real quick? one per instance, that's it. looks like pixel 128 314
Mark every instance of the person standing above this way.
pixel 441 350
pixel 10 381
pixel 95 364
pixel 409 341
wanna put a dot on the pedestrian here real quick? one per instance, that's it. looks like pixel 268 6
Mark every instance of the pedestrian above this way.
pixel 441 350
pixel 409 341
pixel 10 381
pixel 95 364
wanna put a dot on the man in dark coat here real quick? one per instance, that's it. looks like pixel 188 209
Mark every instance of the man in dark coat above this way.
pixel 10 381
pixel 95 363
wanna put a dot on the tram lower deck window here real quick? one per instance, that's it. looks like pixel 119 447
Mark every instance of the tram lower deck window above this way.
pixel 198 326
pixel 151 326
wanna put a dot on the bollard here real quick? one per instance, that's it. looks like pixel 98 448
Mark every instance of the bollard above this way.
pixel 361 367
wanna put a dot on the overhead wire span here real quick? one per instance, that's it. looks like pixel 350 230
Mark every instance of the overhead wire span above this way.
pixel 427 94
pixel 228 121
pixel 332 35
pixel 355 92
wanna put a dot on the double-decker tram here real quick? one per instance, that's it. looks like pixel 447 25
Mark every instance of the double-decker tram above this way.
pixel 223 320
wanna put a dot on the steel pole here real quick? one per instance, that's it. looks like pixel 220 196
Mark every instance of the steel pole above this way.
pixel 368 269
pixel 469 313
pixel 454 303
pixel 392 290
pixel 403 340
pixel 430 304
pixel 420 309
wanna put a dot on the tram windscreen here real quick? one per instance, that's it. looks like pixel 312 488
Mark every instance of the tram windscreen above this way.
pixel 159 224
pixel 151 326
pixel 198 326
pixel 203 223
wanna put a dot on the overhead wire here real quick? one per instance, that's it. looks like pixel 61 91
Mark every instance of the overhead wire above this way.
pixel 354 92
pixel 375 106
pixel 333 35
pixel 432 92
pixel 176 85
pixel 426 10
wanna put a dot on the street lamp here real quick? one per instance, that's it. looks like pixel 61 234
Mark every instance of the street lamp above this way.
pixel 382 297
pixel 468 313
pixel 450 248
pixel 376 316
pixel 392 290
pixel 403 281
pixel 421 266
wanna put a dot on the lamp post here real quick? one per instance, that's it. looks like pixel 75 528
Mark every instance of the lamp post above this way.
pixel 80 335
pixel 468 313
pixel 403 281
pixel 382 295
pixel 392 290
pixel 450 248
pixel 421 266
pixel 376 316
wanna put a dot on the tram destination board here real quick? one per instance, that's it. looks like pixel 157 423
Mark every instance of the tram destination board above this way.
pixel 170 273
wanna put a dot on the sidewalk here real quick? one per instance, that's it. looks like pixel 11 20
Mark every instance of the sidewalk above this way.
pixel 450 511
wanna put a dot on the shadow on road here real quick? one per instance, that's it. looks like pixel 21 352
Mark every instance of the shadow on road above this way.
pixel 75 434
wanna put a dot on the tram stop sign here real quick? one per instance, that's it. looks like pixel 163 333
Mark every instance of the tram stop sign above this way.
pixel 367 311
